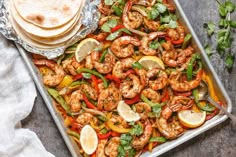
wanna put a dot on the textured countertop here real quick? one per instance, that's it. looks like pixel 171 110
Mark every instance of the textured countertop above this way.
pixel 220 141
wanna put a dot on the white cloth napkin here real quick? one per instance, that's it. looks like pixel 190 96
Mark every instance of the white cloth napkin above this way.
pixel 17 95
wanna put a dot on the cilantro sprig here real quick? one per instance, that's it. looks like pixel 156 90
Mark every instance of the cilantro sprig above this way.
pixel 224 34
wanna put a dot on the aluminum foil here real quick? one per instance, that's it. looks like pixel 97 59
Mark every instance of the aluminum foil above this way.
pixel 90 18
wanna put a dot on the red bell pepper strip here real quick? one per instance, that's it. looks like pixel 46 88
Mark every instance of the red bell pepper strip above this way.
pixel 165 95
pixel 182 93
pixel 115 134
pixel 131 71
pixel 76 126
pixel 104 136
pixel 95 82
pixel 78 77
pixel 133 100
pixel 215 112
pixel 113 78
pixel 88 103
pixel 175 42
pixel 117 28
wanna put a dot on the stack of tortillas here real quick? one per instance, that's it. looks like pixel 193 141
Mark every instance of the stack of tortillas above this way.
pixel 46 24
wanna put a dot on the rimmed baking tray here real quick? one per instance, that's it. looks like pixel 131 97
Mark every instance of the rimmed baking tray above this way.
pixel 222 94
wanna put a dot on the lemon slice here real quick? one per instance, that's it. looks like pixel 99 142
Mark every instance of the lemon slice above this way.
pixel 127 113
pixel 88 139
pixel 84 48
pixel 191 119
pixel 151 62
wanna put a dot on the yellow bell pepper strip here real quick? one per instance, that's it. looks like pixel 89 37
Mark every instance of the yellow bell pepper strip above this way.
pixel 55 94
pixel 100 127
pixel 115 128
pixel 187 40
pixel 67 80
pixel 190 66
pixel 94 73
pixel 74 134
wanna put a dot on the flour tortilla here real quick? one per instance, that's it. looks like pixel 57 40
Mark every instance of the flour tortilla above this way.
pixel 41 33
pixel 58 40
pixel 20 32
pixel 47 13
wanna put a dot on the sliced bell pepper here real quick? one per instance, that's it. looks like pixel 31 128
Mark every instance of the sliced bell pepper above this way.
pixel 73 133
pixel 190 66
pixel 67 80
pixel 88 103
pixel 102 58
pixel 113 78
pixel 115 134
pixel 133 100
pixel 175 42
pixel 206 107
pixel 117 129
pixel 94 73
pixel 150 103
pixel 117 27
pixel 95 82
pixel 187 40
pixel 104 136
pixel 76 126
pixel 130 71
pixel 78 77
pixel 166 96
pixel 210 116
pixel 55 94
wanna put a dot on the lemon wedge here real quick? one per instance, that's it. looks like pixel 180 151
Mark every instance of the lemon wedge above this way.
pixel 88 139
pixel 126 112
pixel 151 62
pixel 191 119
pixel 84 48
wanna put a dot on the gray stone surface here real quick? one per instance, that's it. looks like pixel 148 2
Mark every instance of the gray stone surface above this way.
pixel 220 141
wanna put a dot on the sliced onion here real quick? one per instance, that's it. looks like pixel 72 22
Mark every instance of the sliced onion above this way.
pixel 94 112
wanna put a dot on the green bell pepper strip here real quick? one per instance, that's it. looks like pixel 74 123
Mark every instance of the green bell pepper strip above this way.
pixel 190 66
pixel 74 134
pixel 158 139
pixel 150 103
pixel 187 40
pixel 101 60
pixel 94 73
pixel 55 94
pixel 207 107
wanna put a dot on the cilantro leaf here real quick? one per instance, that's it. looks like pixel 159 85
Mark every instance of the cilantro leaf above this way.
pixel 210 28
pixel 137 65
pixel 161 7
pixel 208 50
pixel 108 2
pixel 222 10
pixel 136 130
pixel 115 34
pixel 106 28
pixel 112 23
pixel 233 24
pixel 229 6
pixel 153 13
pixel 229 61
pixel 154 45
pixel 172 24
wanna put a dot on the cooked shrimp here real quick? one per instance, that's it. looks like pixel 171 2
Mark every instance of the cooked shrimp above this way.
pixel 126 20
pixel 116 119
pixel 105 9
pixel 174 58
pixel 186 85
pixel 121 66
pixel 90 91
pixel 151 94
pixel 130 88
pixel 135 19
pixel 108 99
pixel 143 109
pixel 151 24
pixel 177 33
pixel 188 51
pixel 180 102
pixel 170 130
pixel 85 119
pixel 75 100
pixel 140 141
pixel 158 79
pixel 99 37
pixel 106 66
pixel 100 152
pixel 142 73
pixel 51 79
pixel 111 148
pixel 124 46
pixel 71 65
pixel 88 62
pixel 144 48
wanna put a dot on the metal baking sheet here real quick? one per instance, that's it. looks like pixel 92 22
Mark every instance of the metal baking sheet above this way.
pixel 222 94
